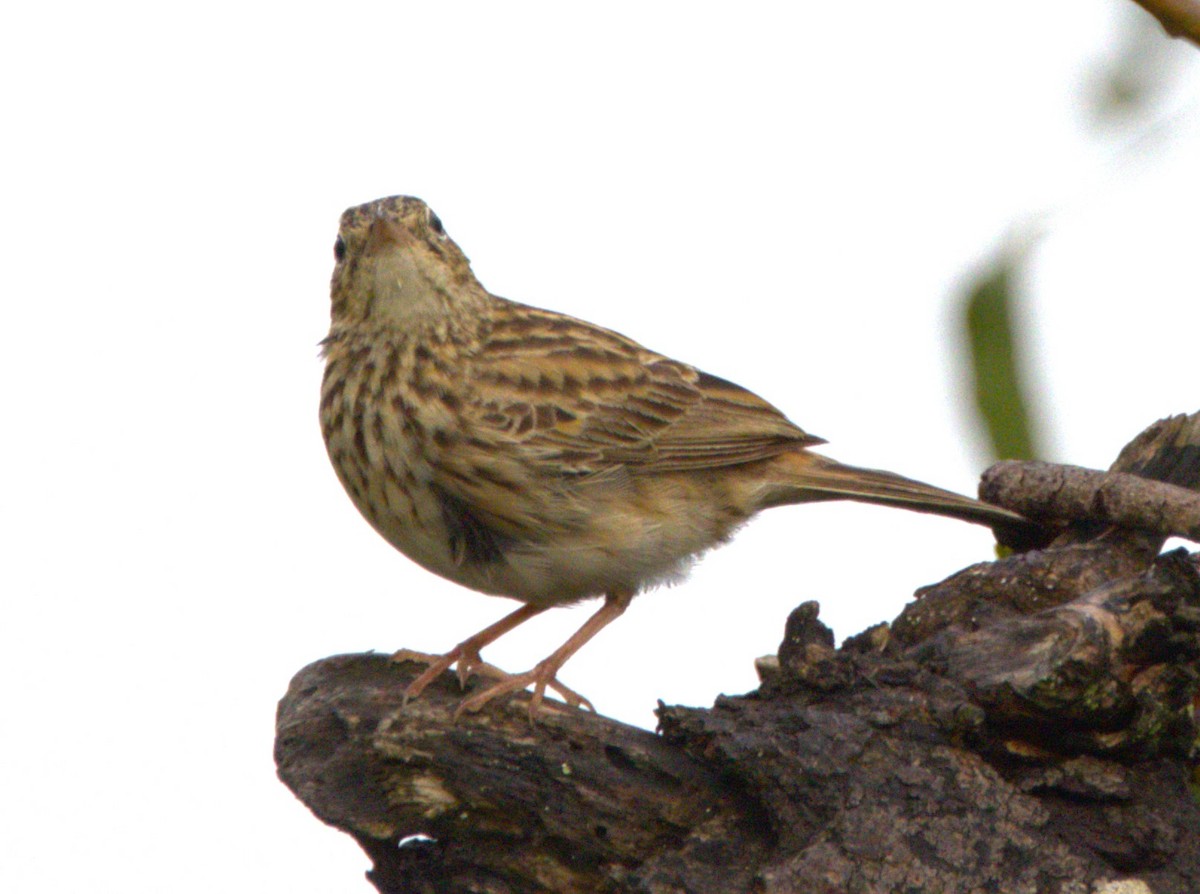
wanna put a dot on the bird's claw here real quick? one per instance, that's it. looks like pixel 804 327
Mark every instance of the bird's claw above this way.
pixel 467 661
pixel 542 677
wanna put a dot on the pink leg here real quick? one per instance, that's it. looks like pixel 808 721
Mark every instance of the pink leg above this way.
pixel 545 672
pixel 466 653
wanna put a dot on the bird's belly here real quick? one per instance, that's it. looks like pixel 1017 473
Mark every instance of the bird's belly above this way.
pixel 623 536
pixel 628 542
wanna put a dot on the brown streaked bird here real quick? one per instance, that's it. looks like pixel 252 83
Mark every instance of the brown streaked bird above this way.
pixel 525 453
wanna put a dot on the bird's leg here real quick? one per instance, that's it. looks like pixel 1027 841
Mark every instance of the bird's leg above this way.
pixel 545 672
pixel 466 653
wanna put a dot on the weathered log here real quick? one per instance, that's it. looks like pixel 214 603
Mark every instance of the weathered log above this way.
pixel 493 803
pixel 1026 726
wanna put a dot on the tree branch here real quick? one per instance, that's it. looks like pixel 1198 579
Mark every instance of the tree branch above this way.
pixel 1179 18
pixel 1040 489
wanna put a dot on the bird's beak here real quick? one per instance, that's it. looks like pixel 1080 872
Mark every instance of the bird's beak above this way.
pixel 385 234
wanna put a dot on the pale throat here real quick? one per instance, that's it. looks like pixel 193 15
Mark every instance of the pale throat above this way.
pixel 407 294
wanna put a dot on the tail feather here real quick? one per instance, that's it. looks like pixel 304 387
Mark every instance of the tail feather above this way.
pixel 809 477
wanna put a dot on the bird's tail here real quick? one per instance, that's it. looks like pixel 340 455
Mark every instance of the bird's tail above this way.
pixel 804 477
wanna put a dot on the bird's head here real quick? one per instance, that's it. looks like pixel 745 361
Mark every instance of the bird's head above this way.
pixel 394 264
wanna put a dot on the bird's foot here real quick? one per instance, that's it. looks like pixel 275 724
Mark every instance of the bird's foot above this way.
pixel 467 662
pixel 466 658
pixel 542 677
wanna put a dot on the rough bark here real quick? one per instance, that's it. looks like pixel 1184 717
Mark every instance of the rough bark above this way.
pixel 1025 726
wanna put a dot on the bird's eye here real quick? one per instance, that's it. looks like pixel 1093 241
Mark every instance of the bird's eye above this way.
pixel 339 250
pixel 435 224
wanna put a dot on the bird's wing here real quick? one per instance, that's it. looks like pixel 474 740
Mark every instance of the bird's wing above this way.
pixel 576 398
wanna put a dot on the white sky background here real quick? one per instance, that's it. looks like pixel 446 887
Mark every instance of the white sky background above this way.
pixel 784 198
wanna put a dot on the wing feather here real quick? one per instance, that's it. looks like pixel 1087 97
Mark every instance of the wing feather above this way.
pixel 577 398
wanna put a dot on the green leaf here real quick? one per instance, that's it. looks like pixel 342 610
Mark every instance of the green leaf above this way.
pixel 997 361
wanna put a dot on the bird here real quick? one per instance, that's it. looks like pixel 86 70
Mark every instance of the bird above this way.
pixel 528 454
